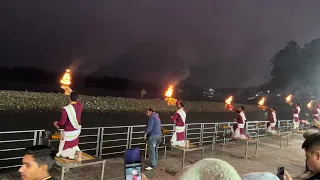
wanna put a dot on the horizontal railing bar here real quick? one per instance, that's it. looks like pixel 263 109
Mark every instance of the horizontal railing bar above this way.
pixel 193 134
pixel 208 132
pixel 109 147
pixel 19 140
pixel 7 167
pixel 88 142
pixel 5 159
pixel 139 132
pixel 194 129
pixel 89 149
pixel 13 149
pixel 89 135
pixel 114 134
pixel 115 140
pixel 14 132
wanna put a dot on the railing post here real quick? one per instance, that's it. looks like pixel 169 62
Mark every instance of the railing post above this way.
pixel 35 137
pixel 130 129
pixel 201 134
pixel 129 137
pixel 186 131
pixel 98 142
pixel 101 142
pixel 39 137
pixel 247 126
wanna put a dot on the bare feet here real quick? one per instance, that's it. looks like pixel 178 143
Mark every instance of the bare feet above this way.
pixel 79 156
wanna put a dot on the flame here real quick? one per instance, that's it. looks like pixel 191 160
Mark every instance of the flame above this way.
pixel 66 82
pixel 229 100
pixel 261 102
pixel 172 101
pixel 169 92
pixel 289 98
pixel 309 105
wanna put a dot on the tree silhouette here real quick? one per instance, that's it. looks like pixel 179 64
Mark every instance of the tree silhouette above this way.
pixel 296 68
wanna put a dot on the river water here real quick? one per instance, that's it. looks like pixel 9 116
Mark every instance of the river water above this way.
pixel 44 120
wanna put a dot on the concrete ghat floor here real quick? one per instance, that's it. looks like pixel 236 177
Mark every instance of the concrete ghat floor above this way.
pixel 270 156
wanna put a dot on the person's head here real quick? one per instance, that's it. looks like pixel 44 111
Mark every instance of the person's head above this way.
pixel 209 168
pixel 74 96
pixel 149 112
pixel 273 109
pixel 298 104
pixel 312 149
pixel 242 108
pixel 180 104
pixel 36 162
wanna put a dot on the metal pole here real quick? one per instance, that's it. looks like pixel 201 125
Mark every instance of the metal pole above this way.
pixel 35 137
pixel 102 171
pixel 98 142
pixel 129 135
pixel 101 142
pixel 201 134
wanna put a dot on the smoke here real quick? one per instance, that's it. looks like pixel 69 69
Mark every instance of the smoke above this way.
pixel 75 65
pixel 189 55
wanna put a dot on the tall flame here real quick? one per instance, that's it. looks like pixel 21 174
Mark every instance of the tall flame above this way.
pixel 66 82
pixel 309 105
pixel 229 100
pixel 289 98
pixel 261 102
pixel 169 92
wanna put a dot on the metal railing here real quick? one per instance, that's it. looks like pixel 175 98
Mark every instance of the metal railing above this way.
pixel 108 142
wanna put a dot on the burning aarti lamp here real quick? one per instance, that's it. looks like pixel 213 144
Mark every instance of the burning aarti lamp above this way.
pixel 309 105
pixel 261 104
pixel 168 94
pixel 172 101
pixel 288 99
pixel 228 104
pixel 66 82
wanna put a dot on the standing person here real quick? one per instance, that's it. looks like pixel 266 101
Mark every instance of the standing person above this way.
pixel 272 120
pixel 153 133
pixel 238 129
pixel 179 120
pixel 296 111
pixel 315 112
pixel 71 120
pixel 36 163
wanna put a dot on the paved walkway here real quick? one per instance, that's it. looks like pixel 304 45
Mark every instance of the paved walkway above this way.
pixel 270 156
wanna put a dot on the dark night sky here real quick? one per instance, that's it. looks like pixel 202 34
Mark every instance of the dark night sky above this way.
pixel 214 43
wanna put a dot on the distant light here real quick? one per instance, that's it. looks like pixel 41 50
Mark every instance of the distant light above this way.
pixel 268 91
pixel 257 95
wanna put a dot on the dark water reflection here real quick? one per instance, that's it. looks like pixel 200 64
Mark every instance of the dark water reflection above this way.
pixel 44 120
